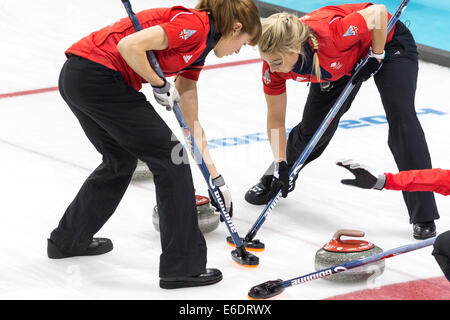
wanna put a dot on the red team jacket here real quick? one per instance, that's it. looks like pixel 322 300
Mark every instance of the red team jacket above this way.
pixel 436 180
pixel 343 39
pixel 190 33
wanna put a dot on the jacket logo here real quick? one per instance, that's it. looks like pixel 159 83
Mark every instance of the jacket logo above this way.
pixel 187 58
pixel 266 77
pixel 351 31
pixel 336 65
pixel 186 34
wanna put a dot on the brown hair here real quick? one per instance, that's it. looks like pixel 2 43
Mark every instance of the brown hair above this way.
pixel 284 32
pixel 227 12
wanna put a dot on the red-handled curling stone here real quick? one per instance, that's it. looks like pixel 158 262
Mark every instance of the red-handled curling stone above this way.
pixel 208 219
pixel 338 251
pixel 142 172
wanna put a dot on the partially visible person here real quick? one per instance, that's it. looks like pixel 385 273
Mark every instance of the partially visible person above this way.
pixel 322 48
pixel 441 252
pixel 435 180
pixel 100 82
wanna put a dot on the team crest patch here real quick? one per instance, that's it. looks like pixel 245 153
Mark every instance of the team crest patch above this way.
pixel 351 31
pixel 186 34
pixel 266 77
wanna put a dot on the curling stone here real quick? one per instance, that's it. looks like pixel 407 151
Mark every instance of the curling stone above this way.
pixel 339 251
pixel 208 219
pixel 142 171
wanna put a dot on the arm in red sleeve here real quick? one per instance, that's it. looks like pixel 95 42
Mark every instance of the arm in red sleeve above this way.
pixel 272 82
pixel 436 180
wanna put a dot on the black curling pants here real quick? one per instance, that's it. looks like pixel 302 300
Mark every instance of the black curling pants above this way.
pixel 124 127
pixel 441 252
pixel 396 82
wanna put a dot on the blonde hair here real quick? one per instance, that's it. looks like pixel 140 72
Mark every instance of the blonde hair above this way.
pixel 285 33
pixel 227 12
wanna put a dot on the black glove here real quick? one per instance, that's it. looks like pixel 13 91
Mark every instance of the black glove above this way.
pixel 280 179
pixel 368 70
pixel 363 178
pixel 224 195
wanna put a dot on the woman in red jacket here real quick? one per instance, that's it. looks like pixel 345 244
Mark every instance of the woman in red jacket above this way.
pixel 100 82
pixel 322 48
pixel 435 180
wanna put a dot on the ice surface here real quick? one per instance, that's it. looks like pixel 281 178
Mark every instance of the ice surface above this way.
pixel 45 157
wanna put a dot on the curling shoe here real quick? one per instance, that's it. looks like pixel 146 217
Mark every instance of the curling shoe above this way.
pixel 210 276
pixel 260 193
pixel 424 230
pixel 98 246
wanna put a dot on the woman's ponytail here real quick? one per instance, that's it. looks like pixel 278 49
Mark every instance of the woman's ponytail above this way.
pixel 316 64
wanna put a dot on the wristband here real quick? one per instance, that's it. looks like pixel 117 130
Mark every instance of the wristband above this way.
pixel 219 181
pixel 164 88
pixel 276 168
pixel 381 182
pixel 380 56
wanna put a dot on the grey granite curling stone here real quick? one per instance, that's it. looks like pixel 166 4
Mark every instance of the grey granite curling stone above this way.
pixel 339 251
pixel 142 171
pixel 208 219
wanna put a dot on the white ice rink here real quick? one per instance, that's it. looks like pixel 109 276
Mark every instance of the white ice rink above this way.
pixel 45 158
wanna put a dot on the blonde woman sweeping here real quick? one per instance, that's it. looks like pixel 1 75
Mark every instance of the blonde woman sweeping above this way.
pixel 322 48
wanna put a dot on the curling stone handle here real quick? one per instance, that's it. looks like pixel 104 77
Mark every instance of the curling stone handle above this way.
pixel 347 232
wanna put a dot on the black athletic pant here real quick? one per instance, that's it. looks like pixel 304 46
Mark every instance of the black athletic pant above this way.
pixel 396 82
pixel 124 127
pixel 441 252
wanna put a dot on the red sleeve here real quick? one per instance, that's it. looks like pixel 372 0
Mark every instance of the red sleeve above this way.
pixel 436 180
pixel 347 31
pixel 184 30
pixel 273 83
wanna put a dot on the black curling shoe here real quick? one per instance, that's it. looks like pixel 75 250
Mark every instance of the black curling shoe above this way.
pixel 260 193
pixel 98 246
pixel 210 276
pixel 424 230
